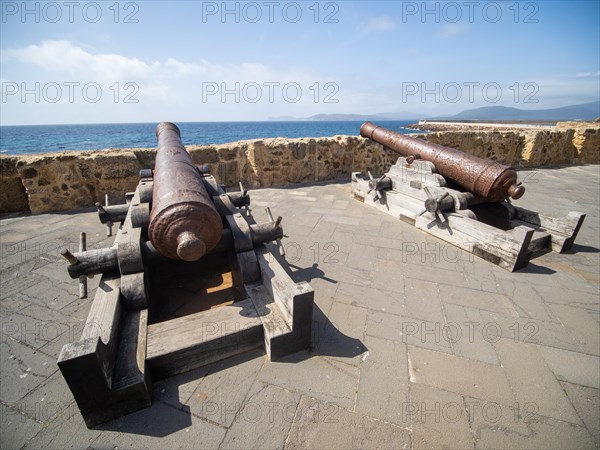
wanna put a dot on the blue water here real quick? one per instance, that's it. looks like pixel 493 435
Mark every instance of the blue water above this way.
pixel 27 139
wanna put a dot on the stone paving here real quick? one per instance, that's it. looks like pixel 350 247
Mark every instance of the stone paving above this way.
pixel 416 344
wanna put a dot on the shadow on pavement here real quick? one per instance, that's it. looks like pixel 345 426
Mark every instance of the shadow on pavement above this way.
pixel 577 248
pixel 534 268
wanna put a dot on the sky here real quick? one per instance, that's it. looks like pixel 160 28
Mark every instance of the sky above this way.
pixel 149 61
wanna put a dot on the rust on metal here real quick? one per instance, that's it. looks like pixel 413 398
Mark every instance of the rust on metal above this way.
pixel 489 180
pixel 184 223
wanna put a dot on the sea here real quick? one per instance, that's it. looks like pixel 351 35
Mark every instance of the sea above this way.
pixel 29 139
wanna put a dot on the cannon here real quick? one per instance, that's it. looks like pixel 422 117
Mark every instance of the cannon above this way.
pixel 191 278
pixel 462 199
pixel 184 223
pixel 488 180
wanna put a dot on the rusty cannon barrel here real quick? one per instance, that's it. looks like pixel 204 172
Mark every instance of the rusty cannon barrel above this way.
pixel 184 223
pixel 486 179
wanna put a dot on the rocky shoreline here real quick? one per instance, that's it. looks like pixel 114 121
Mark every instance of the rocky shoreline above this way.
pixel 70 180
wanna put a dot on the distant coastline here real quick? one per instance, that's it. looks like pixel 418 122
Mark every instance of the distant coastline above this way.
pixel 483 125
pixel 584 112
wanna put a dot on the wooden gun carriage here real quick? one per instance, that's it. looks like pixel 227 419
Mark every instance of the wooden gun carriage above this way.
pixel 462 199
pixel 189 280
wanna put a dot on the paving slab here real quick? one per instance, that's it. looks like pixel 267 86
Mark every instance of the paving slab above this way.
pixel 265 419
pixel 17 429
pixel 407 332
pixel 415 332
pixel 142 430
pixel 526 300
pixel 440 419
pixel 533 382
pixel 324 378
pixel 509 432
pixel 573 367
pixel 383 387
pixel 342 337
pixel 581 325
pixel 389 277
pixel 220 394
pixel 23 370
pixel 493 326
pixel 322 425
pixel 586 402
pixel 368 297
pixel 459 375
pixel 50 399
pixel 476 299
pixel 467 337
pixel 422 300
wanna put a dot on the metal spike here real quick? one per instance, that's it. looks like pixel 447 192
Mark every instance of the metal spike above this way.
pixel 269 215
pixel 109 224
pixel 83 291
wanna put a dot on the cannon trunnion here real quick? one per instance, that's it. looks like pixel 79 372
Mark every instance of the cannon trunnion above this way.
pixel 462 199
pixel 189 280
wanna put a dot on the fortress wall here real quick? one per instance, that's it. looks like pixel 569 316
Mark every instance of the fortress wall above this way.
pixel 76 179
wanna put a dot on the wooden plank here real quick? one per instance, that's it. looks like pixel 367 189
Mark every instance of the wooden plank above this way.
pixel 82 366
pixel 395 203
pixel 294 302
pixel 105 312
pixel 565 225
pixel 507 249
pixel 540 239
pixel 126 225
pixel 131 360
pixel 88 364
pixel 188 342
pixel 105 369
pixel 273 321
pixel 404 177
pixel 131 387
pixel 563 230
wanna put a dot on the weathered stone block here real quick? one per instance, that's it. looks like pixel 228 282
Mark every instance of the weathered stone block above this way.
pixel 13 197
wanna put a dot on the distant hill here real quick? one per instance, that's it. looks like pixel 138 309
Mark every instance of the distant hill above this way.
pixel 585 111
pixel 354 117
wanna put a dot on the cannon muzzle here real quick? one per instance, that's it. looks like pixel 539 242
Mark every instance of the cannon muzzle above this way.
pixel 184 223
pixel 489 180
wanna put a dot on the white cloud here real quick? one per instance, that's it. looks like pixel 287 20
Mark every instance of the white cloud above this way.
pixel 378 25
pixel 450 30
pixel 184 69
pixel 62 55
pixel 587 74
pixel 168 87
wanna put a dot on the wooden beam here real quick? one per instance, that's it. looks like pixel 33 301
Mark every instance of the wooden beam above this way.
pixel 285 307
pixel 192 341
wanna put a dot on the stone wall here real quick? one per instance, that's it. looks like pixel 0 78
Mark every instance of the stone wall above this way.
pixel 586 139
pixel 70 180
pixel 13 196
pixel 504 147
